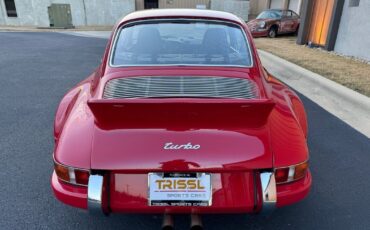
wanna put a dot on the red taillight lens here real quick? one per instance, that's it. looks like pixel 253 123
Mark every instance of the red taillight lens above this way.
pixel 72 175
pixel 291 173
pixel 281 175
pixel 82 177
pixel 62 172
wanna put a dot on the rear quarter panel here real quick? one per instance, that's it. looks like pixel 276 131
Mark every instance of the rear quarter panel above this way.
pixel 73 127
pixel 288 124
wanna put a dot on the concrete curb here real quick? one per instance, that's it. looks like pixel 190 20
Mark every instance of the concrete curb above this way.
pixel 94 34
pixel 344 103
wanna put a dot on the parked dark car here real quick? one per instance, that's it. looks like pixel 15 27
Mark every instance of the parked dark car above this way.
pixel 273 22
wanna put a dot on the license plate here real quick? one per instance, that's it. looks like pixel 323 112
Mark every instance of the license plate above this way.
pixel 179 189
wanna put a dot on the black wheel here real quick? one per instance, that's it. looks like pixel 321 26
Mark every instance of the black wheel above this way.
pixel 272 32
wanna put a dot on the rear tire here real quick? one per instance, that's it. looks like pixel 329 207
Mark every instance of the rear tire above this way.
pixel 272 32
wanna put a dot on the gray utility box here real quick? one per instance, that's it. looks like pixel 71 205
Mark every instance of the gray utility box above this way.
pixel 60 16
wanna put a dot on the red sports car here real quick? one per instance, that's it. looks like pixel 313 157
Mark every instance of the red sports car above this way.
pixel 180 117
pixel 273 22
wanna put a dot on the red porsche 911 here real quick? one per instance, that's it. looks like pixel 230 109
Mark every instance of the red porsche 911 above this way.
pixel 180 117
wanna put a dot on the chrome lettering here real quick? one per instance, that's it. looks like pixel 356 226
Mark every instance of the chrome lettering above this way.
pixel 188 146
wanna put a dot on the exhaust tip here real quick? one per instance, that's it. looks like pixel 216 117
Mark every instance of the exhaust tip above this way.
pixel 167 222
pixel 196 222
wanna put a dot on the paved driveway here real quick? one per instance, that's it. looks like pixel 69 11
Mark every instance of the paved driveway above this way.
pixel 36 69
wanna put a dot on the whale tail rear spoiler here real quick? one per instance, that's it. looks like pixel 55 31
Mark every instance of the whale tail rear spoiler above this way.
pixel 180 113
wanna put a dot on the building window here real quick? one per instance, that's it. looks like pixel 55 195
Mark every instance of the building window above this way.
pixel 150 4
pixel 354 3
pixel 11 11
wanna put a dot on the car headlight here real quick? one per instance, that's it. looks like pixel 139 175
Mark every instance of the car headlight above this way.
pixel 291 173
pixel 261 24
pixel 72 175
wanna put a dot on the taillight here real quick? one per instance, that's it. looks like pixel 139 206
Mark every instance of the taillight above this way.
pixel 82 176
pixel 291 173
pixel 62 172
pixel 281 175
pixel 72 175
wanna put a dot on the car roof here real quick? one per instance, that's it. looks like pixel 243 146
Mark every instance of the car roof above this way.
pixel 178 13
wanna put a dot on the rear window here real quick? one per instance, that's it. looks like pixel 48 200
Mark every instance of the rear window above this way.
pixel 181 43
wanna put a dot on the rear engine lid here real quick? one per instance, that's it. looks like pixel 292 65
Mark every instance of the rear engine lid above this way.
pixel 149 135
pixel 151 150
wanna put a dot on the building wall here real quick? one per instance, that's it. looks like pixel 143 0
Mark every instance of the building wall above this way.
pixel 84 12
pixel 175 4
pixel 182 3
pixel 237 7
pixel 256 7
pixel 354 31
pixel 276 4
pixel 139 4
pixel 107 12
pixel 295 5
pixel 2 13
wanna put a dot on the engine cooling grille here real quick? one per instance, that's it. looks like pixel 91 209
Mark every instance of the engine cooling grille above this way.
pixel 180 86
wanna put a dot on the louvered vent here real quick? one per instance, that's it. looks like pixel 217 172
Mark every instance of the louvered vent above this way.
pixel 180 86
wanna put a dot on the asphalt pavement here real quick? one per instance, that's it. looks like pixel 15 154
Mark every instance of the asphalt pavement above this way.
pixel 38 68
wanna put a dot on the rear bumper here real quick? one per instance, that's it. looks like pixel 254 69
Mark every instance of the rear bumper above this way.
pixel 130 197
pixel 75 196
pixel 293 192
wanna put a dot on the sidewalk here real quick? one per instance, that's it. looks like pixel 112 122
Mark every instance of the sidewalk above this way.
pixel 344 103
